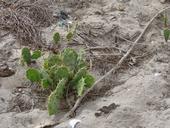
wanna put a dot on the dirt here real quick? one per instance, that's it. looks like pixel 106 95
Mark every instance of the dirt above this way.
pixel 136 96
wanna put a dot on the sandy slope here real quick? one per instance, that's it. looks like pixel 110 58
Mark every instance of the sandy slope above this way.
pixel 143 97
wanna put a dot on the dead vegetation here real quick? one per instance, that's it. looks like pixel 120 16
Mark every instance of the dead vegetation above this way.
pixel 24 18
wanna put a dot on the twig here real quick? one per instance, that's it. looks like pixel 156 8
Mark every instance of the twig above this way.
pixel 111 54
pixel 126 40
pixel 108 47
pixel 91 64
pixel 129 41
pixel 2 36
pixel 71 112
pixel 104 47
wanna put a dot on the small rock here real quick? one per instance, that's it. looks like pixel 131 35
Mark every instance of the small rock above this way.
pixel 5 71
pixel 97 114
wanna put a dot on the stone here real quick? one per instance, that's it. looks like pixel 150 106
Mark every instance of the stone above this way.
pixel 6 71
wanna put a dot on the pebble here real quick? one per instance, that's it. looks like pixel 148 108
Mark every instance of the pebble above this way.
pixel 5 71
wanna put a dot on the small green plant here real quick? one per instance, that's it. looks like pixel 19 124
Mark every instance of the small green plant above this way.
pixel 71 32
pixel 166 34
pixel 69 36
pixel 62 73
pixel 56 38
pixel 27 57
pixel 166 30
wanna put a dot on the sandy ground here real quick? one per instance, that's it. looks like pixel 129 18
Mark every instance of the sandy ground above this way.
pixel 141 99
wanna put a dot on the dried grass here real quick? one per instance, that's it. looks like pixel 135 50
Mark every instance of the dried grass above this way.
pixel 24 20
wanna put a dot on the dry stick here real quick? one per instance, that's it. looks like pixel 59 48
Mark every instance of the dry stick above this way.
pixel 127 40
pixel 111 54
pixel 104 47
pixel 124 38
pixel 108 47
pixel 71 112
pixel 2 36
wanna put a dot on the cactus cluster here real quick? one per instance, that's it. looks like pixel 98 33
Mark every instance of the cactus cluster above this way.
pixel 59 72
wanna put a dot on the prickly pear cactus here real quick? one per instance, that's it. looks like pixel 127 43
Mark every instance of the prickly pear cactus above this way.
pixel 55 96
pixel 56 38
pixel 33 75
pixel 27 57
pixel 60 73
